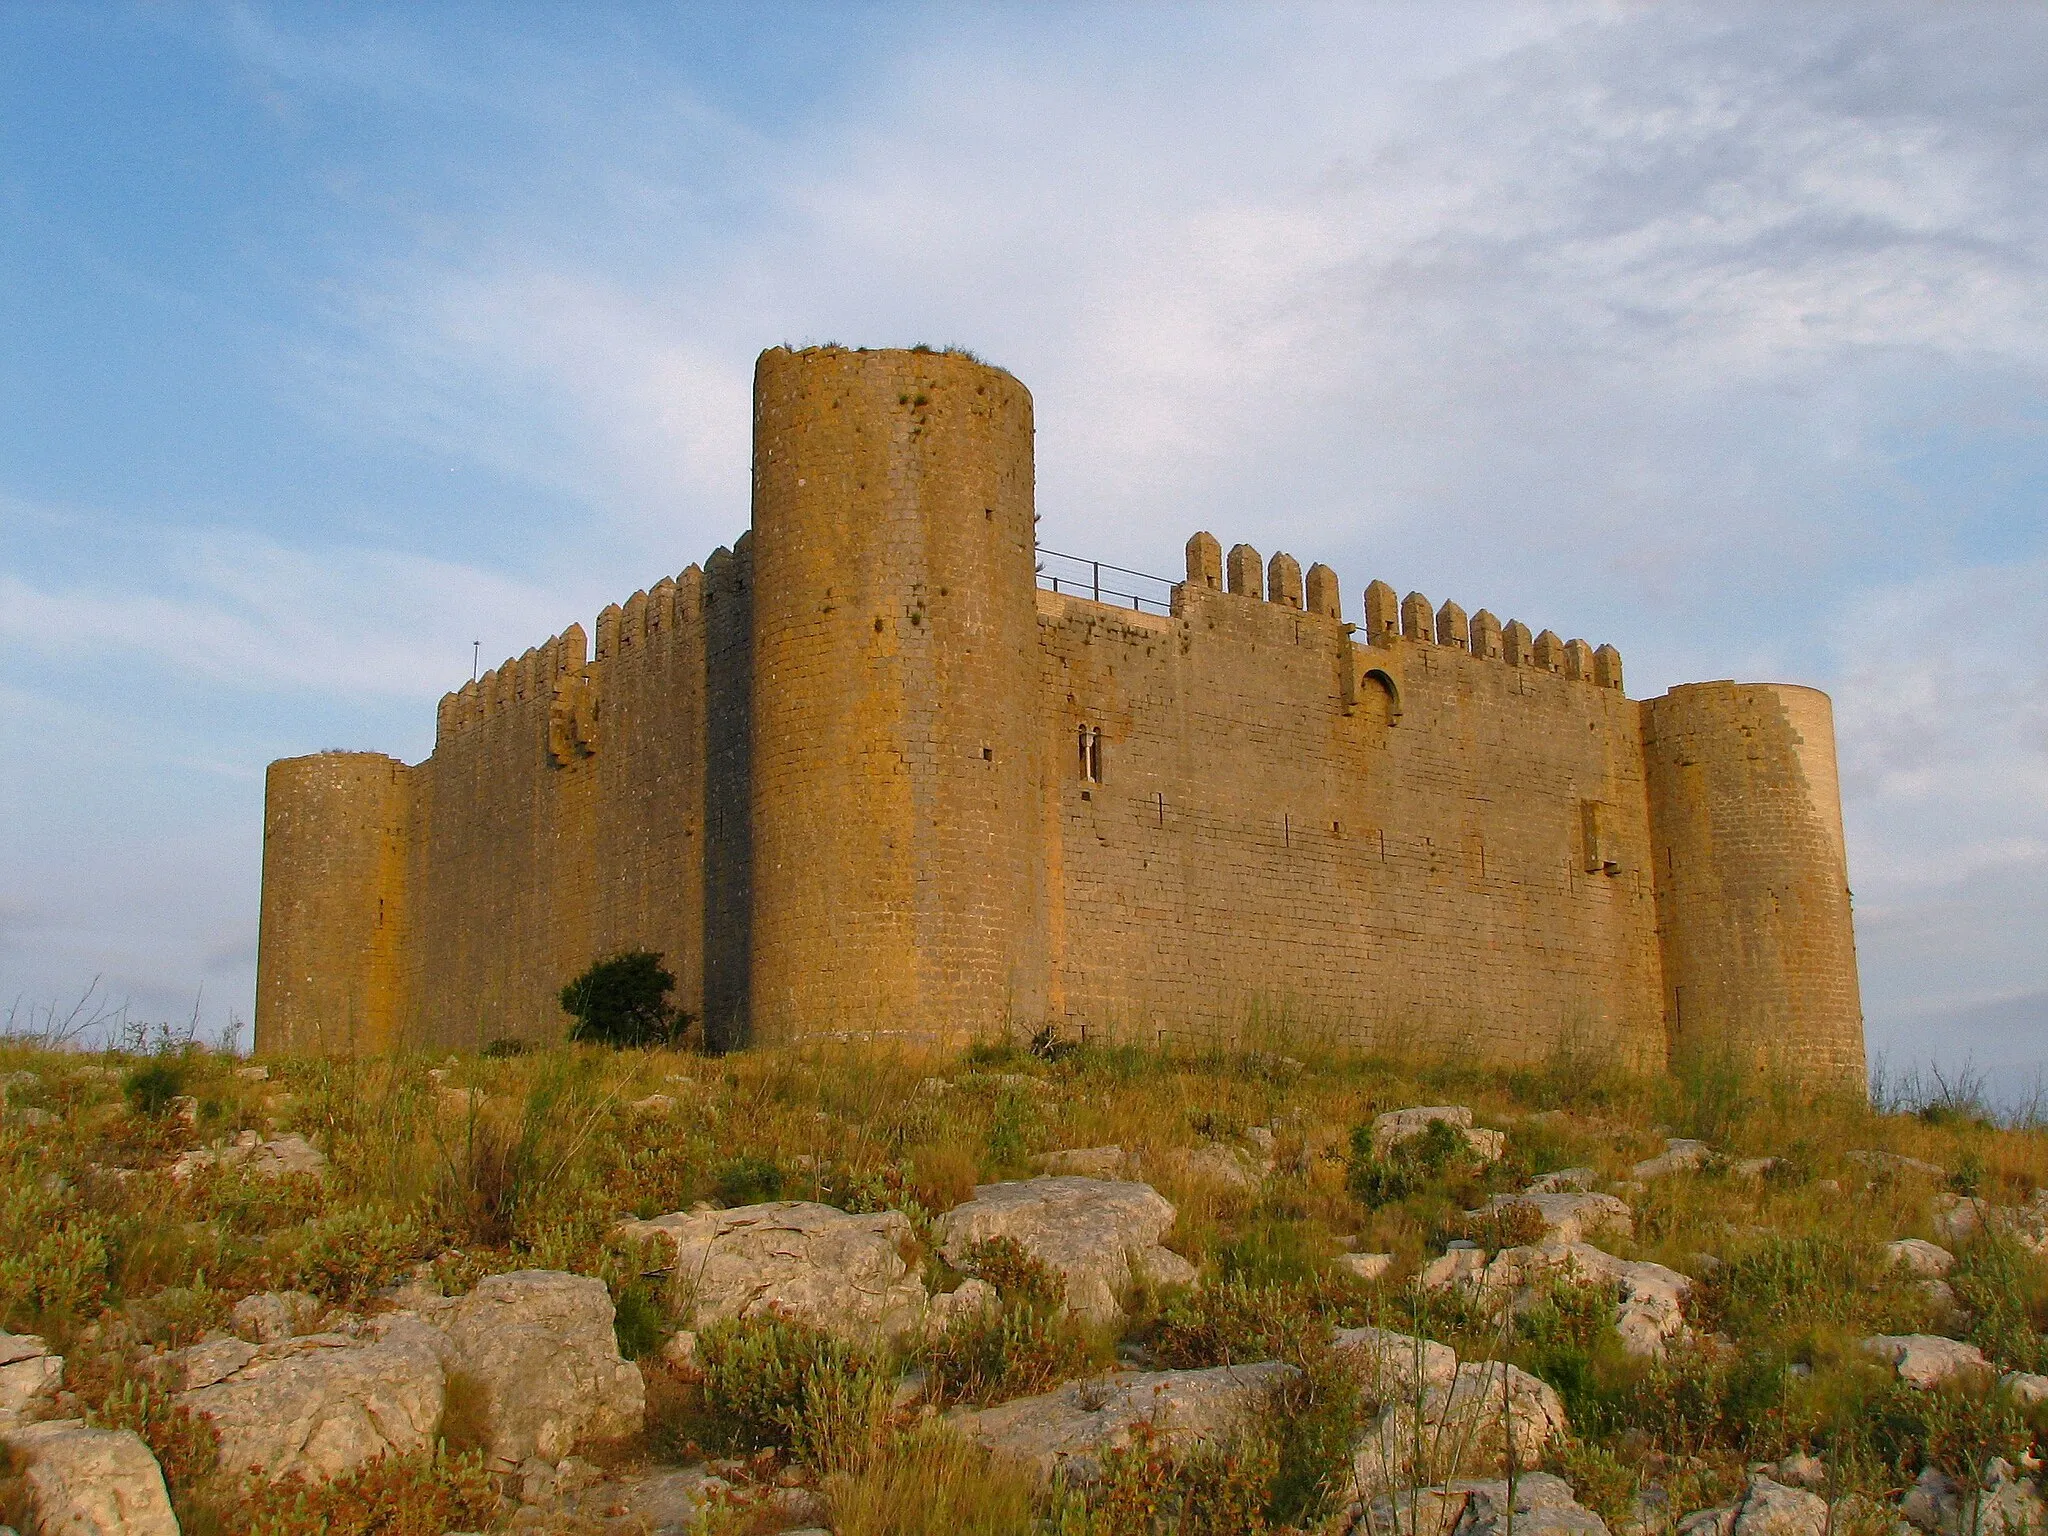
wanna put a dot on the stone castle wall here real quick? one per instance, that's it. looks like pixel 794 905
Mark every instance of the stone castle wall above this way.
pixel 861 774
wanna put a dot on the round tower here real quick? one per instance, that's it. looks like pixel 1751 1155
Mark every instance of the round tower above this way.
pixel 330 972
pixel 898 878
pixel 1752 881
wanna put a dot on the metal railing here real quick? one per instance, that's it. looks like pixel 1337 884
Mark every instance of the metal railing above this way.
pixel 1078 576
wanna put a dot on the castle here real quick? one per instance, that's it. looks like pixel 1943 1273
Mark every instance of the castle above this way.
pixel 873 770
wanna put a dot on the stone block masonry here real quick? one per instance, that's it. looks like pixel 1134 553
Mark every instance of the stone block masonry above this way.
pixel 860 774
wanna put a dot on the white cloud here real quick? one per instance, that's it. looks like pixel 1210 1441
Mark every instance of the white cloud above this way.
pixel 241 611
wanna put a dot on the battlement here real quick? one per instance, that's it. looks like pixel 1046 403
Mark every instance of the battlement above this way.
pixel 1391 621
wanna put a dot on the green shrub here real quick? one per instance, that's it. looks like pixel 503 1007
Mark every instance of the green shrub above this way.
pixel 1408 1166
pixel 2004 1291
pixel 1150 1487
pixel 420 1495
pixel 1022 1345
pixel 353 1252
pixel 153 1086
pixel 1008 1351
pixel 1019 1278
pixel 1231 1321
pixel 623 1002
pixel 1315 1421
pixel 638 1319
pixel 747 1180
pixel 774 1382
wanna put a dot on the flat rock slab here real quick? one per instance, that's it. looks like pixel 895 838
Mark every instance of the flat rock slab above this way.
pixel 1897 1163
pixel 1542 1505
pixel 277 1158
pixel 534 1364
pixel 1064 1432
pixel 1681 1154
pixel 1389 1364
pixel 326 1404
pixel 29 1374
pixel 1925 1360
pixel 1100 1235
pixel 794 1258
pixel 81 1481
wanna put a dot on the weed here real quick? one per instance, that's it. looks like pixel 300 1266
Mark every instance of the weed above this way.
pixel 154 1086
pixel 1153 1486
pixel 1408 1165
pixel 747 1180
pixel 420 1495
pixel 766 1379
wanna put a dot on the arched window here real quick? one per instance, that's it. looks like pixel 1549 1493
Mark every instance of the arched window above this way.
pixel 1089 743
pixel 1379 696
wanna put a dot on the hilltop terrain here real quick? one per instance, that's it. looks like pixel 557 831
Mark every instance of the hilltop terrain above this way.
pixel 1233 1291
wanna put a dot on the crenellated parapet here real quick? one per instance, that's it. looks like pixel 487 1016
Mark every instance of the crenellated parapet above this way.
pixel 1394 620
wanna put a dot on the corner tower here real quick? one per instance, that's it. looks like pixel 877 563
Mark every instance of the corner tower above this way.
pixel 1751 880
pixel 330 947
pixel 898 874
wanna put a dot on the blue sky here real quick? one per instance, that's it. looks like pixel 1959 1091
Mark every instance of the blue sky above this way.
pixel 339 337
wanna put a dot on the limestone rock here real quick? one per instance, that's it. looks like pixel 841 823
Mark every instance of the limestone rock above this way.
pixel 29 1374
pixel 1215 1164
pixel 277 1158
pixel 1543 1505
pixel 1100 1235
pixel 1750 1169
pixel 1931 1503
pixel 1771 1509
pixel 203 1364
pixel 1563 1181
pixel 1896 1164
pixel 1800 1470
pixel 1087 1162
pixel 1365 1266
pixel 1925 1360
pixel 253 1074
pixel 1920 1257
pixel 2027 1389
pixel 1460 1264
pixel 534 1365
pixel 822 1266
pixel 326 1404
pixel 272 1315
pixel 1063 1432
pixel 950 1308
pixel 1958 1219
pixel 1467 1424
pixel 1397 1125
pixel 80 1481
pixel 1389 1364
pixel 1680 1155
pixel 1567 1217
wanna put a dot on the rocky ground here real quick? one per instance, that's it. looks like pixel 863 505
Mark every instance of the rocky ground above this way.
pixel 1088 1292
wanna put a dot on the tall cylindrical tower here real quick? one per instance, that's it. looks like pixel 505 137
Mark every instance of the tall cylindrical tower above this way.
pixel 1752 880
pixel 330 973
pixel 898 878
